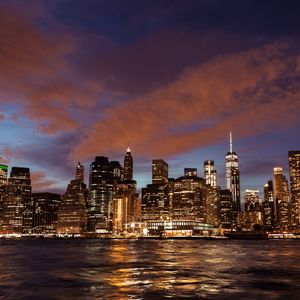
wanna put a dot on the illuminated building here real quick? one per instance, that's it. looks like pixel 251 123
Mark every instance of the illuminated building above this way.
pixel 213 205
pixel 190 172
pixel 40 213
pixel 126 202
pixel 19 185
pixel 253 210
pixel 226 208
pixel 3 174
pixel 210 174
pixel 281 198
pixel 128 165
pixel 233 180
pixel 72 213
pixel 189 199
pixel 294 170
pixel 100 196
pixel 268 206
pixel 160 171
pixel 154 202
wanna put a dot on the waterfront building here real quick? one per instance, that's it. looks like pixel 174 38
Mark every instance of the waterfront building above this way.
pixel 128 165
pixel 294 170
pixel 126 202
pixel 281 198
pixel 189 199
pixel 40 213
pixel 210 173
pixel 19 185
pixel 233 180
pixel 100 196
pixel 72 213
pixel 226 205
pixel 213 205
pixel 155 202
pixel 253 210
pixel 160 171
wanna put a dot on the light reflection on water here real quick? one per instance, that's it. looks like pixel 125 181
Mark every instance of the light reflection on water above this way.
pixel 149 269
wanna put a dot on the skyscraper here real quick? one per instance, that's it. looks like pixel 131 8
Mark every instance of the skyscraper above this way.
pixel 294 170
pixel 268 206
pixel 160 171
pixel 233 180
pixel 40 213
pixel 128 165
pixel 281 198
pixel 19 185
pixel 72 213
pixel 210 174
pixel 100 197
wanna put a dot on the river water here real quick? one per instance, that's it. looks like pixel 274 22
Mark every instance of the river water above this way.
pixel 149 269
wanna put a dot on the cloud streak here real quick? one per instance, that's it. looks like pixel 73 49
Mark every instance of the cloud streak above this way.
pixel 241 91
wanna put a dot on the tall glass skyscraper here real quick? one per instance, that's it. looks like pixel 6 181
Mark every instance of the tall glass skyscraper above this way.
pixel 233 179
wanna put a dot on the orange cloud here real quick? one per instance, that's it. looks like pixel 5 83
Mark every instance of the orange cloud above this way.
pixel 241 91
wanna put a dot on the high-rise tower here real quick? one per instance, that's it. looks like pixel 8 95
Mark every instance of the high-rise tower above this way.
pixel 233 179
pixel 210 173
pixel 128 165
pixel 80 172
pixel 294 168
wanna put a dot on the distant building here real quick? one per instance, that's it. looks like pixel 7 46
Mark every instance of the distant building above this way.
pixel 210 173
pixel 226 208
pixel 100 196
pixel 233 180
pixel 160 171
pixel 189 199
pixel 253 210
pixel 128 165
pixel 268 206
pixel 294 170
pixel 40 213
pixel 72 213
pixel 213 213
pixel 190 172
pixel 19 185
pixel 281 198
pixel 3 174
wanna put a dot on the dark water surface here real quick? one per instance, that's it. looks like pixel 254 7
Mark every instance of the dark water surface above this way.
pixel 149 269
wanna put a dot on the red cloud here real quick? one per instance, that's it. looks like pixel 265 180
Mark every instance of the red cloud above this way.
pixel 238 91
pixel 40 181
pixel 35 73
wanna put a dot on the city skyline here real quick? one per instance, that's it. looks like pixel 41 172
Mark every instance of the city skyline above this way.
pixel 167 79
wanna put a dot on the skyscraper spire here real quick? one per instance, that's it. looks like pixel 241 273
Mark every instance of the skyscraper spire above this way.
pixel 230 138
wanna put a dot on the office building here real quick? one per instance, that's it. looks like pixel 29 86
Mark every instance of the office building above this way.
pixel 72 213
pixel 128 165
pixel 233 180
pixel 294 170
pixel 40 213
pixel 210 174
pixel 160 171
pixel 19 185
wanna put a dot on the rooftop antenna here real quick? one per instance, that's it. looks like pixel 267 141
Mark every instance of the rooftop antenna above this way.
pixel 230 142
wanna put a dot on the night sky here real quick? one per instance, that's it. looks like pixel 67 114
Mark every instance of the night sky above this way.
pixel 170 79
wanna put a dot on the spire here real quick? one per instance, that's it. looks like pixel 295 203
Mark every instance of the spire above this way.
pixel 128 149
pixel 230 142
